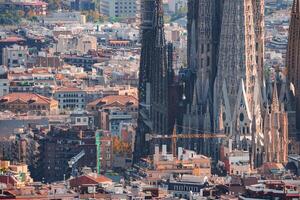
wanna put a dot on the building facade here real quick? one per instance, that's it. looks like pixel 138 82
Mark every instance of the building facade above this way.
pixel 27 102
pixel 119 8
pixel 204 25
pixel 226 89
pixel 293 56
pixel 15 56
pixel 70 98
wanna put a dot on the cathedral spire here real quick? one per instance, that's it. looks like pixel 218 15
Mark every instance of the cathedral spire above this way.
pixel 275 99
pixel 296 7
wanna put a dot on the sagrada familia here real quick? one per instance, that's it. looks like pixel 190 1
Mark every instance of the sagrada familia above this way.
pixel 227 88
pixel 231 91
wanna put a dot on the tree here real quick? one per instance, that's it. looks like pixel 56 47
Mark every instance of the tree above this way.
pixel 21 13
pixel 30 14
pixel 9 17
pixel 92 16
pixel 121 147
pixel 54 4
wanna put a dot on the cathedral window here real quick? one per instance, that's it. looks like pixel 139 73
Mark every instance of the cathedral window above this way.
pixel 242 117
pixel 208 61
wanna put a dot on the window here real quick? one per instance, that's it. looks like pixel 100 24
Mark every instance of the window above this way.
pixel 208 61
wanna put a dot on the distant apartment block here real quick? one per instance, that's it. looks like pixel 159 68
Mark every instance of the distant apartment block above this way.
pixel 15 56
pixel 83 5
pixel 70 98
pixel 119 8
pixel 37 7
pixel 65 18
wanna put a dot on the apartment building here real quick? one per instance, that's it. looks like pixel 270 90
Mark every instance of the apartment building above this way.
pixel 119 8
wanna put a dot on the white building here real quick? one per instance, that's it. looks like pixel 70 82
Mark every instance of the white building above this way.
pixel 74 43
pixel 239 162
pixel 86 43
pixel 70 98
pixel 117 119
pixel 119 8
pixel 175 5
pixel 65 18
pixel 15 56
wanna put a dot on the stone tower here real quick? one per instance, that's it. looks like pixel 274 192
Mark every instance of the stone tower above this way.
pixel 154 78
pixel 159 84
pixel 259 16
pixel 293 56
pixel 204 23
pixel 276 130
pixel 237 70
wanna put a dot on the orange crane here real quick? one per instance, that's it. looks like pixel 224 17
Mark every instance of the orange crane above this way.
pixel 176 136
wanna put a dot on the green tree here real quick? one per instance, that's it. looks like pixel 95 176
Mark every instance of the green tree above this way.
pixel 10 18
pixel 54 4
pixel 92 16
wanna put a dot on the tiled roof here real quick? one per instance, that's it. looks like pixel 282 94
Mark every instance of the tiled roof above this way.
pixel 122 99
pixel 25 97
pixel 12 39
pixel 69 89
pixel 88 180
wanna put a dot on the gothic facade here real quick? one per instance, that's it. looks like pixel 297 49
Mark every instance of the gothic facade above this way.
pixel 233 95
pixel 156 86
pixel 293 56
pixel 204 19
pixel 259 16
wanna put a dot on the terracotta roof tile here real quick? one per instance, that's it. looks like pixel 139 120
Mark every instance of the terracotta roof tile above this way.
pixel 69 89
pixel 122 99
pixel 26 97
pixel 88 180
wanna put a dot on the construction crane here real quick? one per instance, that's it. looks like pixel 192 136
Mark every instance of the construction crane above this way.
pixel 98 146
pixel 176 136
pixel 73 163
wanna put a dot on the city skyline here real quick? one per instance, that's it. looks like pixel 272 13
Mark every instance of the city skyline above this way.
pixel 149 99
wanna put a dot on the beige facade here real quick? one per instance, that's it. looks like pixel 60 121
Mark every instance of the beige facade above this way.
pixel 25 102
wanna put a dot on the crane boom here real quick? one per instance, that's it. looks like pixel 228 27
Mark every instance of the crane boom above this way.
pixel 73 162
pixel 176 136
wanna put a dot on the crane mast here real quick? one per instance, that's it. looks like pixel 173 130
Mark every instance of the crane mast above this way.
pixel 73 163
